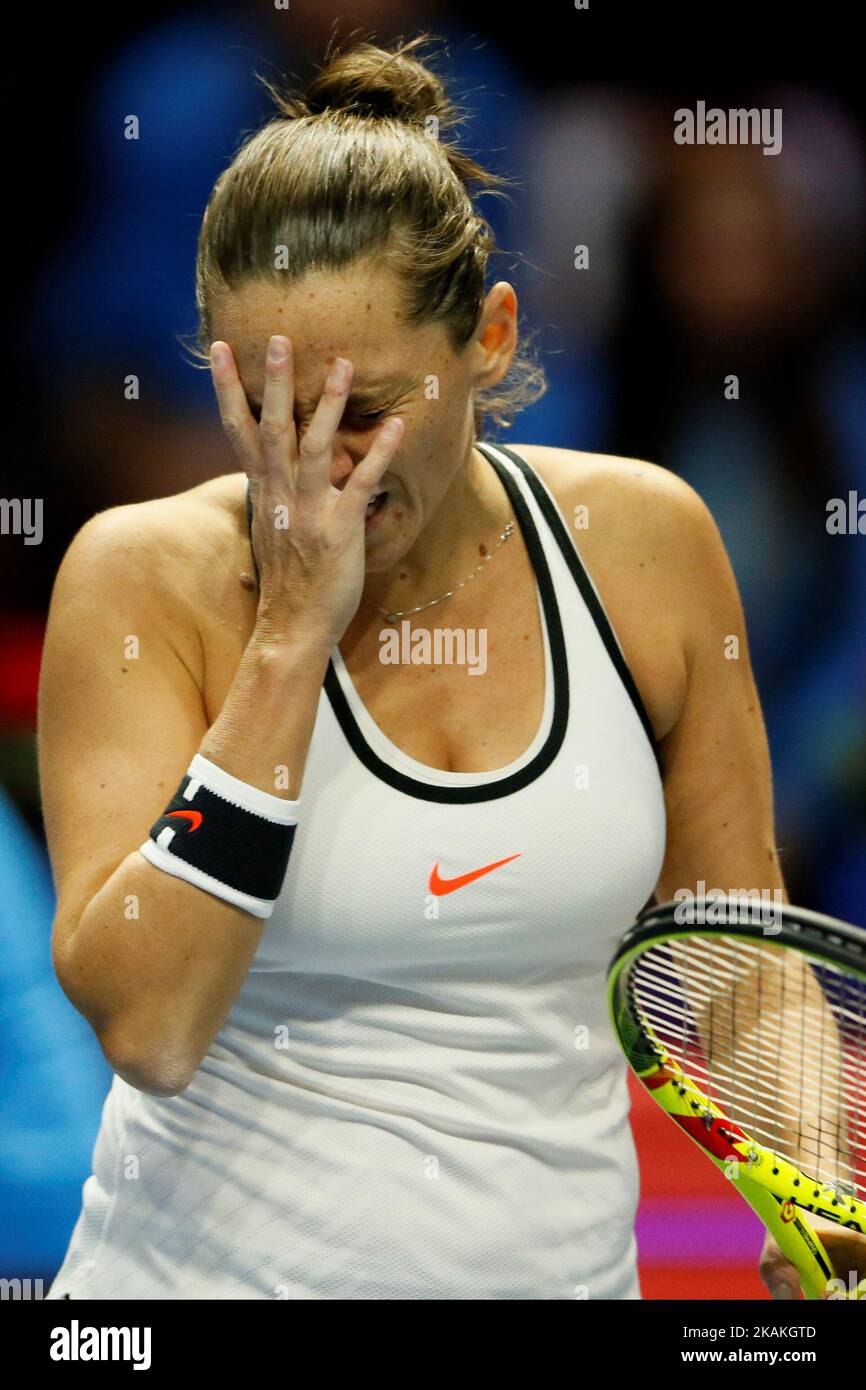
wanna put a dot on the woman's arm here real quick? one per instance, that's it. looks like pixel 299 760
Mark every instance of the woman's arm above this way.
pixel 716 763
pixel 719 800
pixel 153 962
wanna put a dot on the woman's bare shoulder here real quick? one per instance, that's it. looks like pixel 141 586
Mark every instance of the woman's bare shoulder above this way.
pixel 628 506
pixel 168 569
pixel 642 493
pixel 647 535
pixel 174 543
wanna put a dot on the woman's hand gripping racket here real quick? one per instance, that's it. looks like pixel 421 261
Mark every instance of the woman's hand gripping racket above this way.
pixel 746 1022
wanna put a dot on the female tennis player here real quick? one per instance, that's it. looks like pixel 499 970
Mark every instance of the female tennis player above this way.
pixel 355 767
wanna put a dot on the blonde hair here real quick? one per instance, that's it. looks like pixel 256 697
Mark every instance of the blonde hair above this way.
pixel 347 170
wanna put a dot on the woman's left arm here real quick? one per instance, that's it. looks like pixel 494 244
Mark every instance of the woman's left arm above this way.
pixel 718 784
pixel 715 760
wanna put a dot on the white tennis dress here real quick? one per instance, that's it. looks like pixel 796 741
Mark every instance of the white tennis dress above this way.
pixel 417 1094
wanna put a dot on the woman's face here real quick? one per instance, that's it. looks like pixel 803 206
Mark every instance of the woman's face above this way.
pixel 398 370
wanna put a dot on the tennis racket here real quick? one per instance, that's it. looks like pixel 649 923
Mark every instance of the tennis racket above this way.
pixel 746 1022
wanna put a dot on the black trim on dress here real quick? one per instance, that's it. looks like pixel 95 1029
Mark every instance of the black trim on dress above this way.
pixel 554 519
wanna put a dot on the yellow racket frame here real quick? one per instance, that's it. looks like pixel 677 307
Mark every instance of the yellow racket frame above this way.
pixel 775 1189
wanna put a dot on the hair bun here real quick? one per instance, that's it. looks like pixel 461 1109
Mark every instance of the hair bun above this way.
pixel 374 82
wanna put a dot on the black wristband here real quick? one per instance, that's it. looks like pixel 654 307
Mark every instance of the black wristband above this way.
pixel 226 837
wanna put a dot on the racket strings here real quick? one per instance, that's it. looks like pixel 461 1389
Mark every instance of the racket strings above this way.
pixel 795 1069
pixel 765 1117
pixel 751 1049
pixel 767 1010
pixel 776 1041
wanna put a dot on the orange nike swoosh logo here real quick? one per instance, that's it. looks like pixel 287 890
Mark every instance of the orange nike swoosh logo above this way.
pixel 194 818
pixel 441 886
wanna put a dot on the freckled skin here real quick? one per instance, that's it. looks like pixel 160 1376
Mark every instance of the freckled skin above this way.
pixel 442 493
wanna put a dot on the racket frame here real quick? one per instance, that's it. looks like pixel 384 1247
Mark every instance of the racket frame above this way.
pixel 774 1187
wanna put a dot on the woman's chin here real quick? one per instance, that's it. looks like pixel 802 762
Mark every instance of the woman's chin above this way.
pixel 379 559
pixel 383 551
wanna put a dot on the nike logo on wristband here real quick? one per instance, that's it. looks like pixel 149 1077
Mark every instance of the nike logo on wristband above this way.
pixel 440 886
pixel 194 818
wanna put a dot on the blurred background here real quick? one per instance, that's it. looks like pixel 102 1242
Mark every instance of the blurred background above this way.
pixel 703 261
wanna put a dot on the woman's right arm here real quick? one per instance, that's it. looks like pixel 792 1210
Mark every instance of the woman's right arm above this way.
pixel 152 961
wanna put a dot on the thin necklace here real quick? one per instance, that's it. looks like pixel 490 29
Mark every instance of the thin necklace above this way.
pixel 405 612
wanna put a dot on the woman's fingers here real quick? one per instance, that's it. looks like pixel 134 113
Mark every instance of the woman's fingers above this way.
pixel 277 420
pixel 241 429
pixel 366 475
pixel 847 1251
pixel 778 1274
pixel 316 449
pixel 270 449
